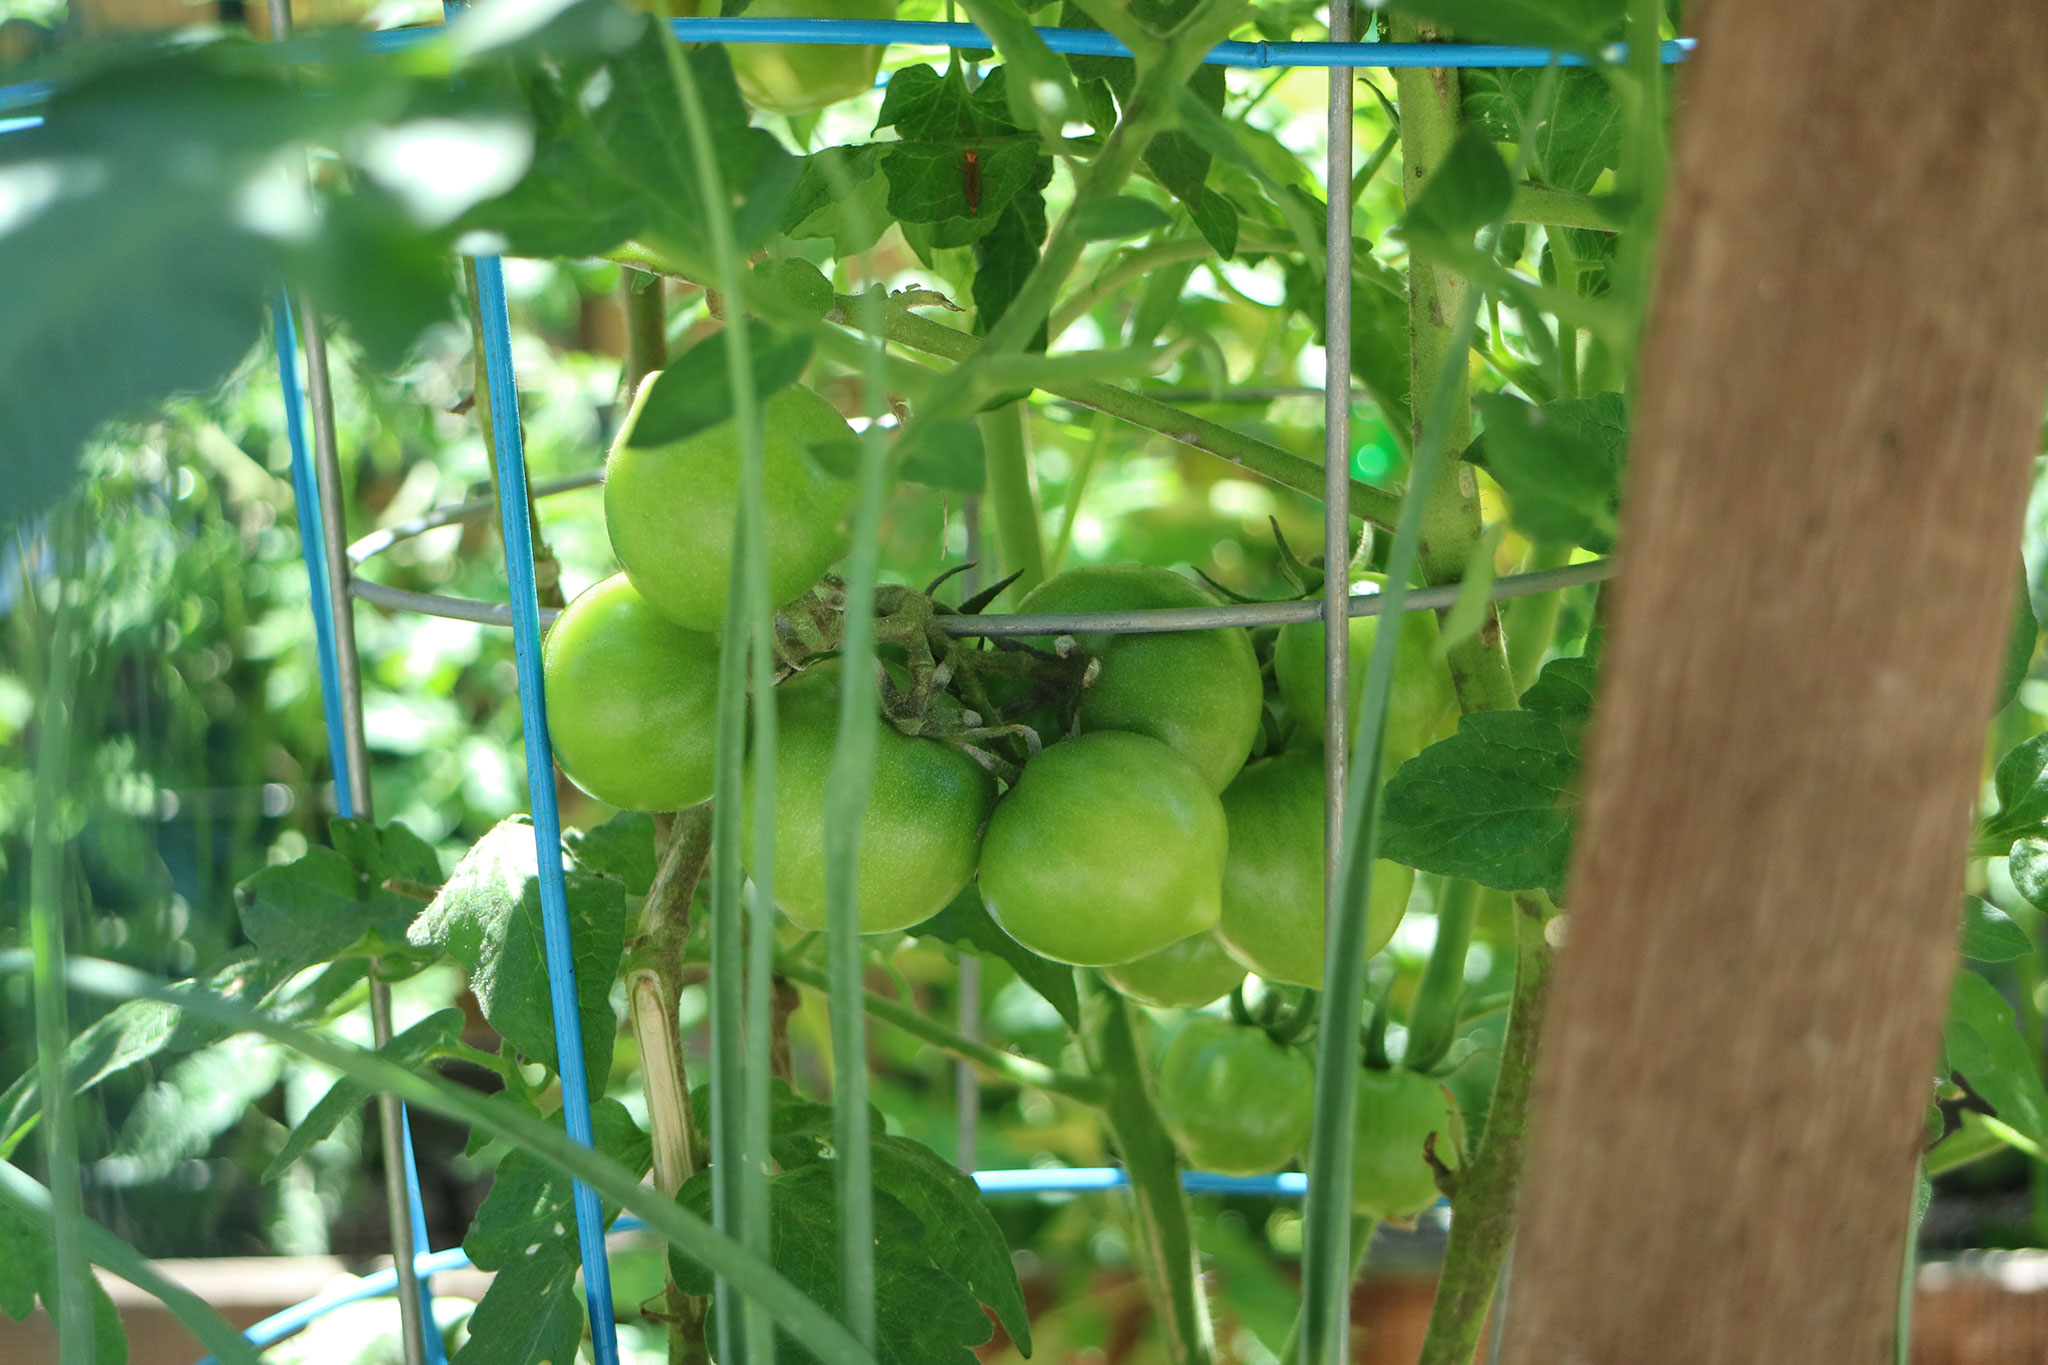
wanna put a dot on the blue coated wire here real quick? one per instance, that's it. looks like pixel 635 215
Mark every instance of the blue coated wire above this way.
pixel 312 517
pixel 312 544
pixel 495 323
pixel 1073 41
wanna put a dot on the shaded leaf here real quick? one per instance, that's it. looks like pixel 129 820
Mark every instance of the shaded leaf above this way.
pixel 2019 649
pixel 1989 934
pixel 488 918
pixel 694 391
pixel 1117 215
pixel 952 456
pixel 965 924
pixel 28 1270
pixel 621 847
pixel 409 1048
pixel 1469 189
pixel 1580 135
pixel 1559 463
pixel 1985 1047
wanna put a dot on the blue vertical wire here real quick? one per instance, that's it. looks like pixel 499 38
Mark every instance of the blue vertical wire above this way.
pixel 312 517
pixel 495 323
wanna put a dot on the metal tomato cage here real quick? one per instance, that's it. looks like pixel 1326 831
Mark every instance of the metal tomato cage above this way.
pixel 331 563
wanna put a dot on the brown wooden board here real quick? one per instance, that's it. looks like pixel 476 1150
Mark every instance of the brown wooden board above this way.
pixel 1842 391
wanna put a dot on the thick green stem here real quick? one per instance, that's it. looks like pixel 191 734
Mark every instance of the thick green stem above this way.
pixel 1012 497
pixel 644 298
pixel 1483 1210
pixel 1433 1020
pixel 1166 1235
pixel 1531 622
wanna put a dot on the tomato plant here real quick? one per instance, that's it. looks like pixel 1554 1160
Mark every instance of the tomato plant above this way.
pixel 1069 301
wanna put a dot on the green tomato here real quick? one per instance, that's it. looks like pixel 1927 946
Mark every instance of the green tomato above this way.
pixel 631 700
pixel 670 509
pixel 1198 691
pixel 1397 1111
pixel 920 831
pixel 1235 1101
pixel 1184 975
pixel 1109 847
pixel 1422 698
pixel 1273 878
pixel 802 78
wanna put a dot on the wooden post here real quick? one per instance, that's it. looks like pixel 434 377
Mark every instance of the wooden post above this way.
pixel 1842 392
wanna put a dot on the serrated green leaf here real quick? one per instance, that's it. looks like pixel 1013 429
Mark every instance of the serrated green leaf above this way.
pixel 308 910
pixel 488 918
pixel 799 1128
pixel 1495 803
pixel 1470 188
pixel 1117 215
pixel 1989 934
pixel 621 847
pixel 409 1048
pixel 1560 464
pixel 1985 1047
pixel 931 178
pixel 385 852
pixel 960 1234
pixel 530 1215
pixel 1005 256
pixel 1564 689
pixel 1579 25
pixel 1024 51
pixel 923 1315
pixel 532 1314
pixel 694 391
pixel 1580 135
pixel 965 924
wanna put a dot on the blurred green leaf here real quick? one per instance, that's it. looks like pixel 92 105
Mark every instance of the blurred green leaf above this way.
pixel 952 456
pixel 28 1271
pixel 1989 934
pixel 2019 649
pixel 621 847
pixel 1118 215
pixel 409 1048
pixel 693 392
pixel 1580 135
pixel 1985 1047
pixel 1570 24
pixel 1560 464
pixel 1469 189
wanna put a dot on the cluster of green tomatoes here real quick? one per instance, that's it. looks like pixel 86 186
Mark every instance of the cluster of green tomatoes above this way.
pixel 1137 803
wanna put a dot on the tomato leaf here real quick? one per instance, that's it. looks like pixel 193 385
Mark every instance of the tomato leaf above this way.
pixel 939 121
pixel 1580 135
pixel 1560 464
pixel 952 456
pixel 1985 1047
pixel 694 392
pixel 330 900
pixel 621 847
pixel 1005 256
pixel 1117 215
pixel 1989 934
pixel 965 924
pixel 410 1048
pixel 923 1314
pixel 1469 189
pixel 2019 649
pixel 1496 802
pixel 487 917
pixel 2021 785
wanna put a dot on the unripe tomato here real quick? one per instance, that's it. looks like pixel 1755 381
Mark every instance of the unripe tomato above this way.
pixel 1198 691
pixel 919 834
pixel 1422 697
pixel 802 78
pixel 1109 847
pixel 1397 1111
pixel 1184 975
pixel 631 698
pixel 1273 878
pixel 1235 1101
pixel 670 509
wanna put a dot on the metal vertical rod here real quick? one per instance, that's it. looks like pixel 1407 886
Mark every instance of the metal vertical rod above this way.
pixel 515 514
pixel 967 1084
pixel 1337 544
pixel 1337 471
pixel 343 676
